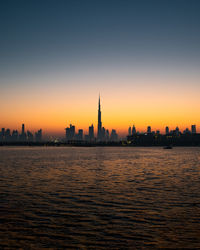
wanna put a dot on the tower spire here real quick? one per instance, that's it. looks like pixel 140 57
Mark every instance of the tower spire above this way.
pixel 99 128
pixel 99 102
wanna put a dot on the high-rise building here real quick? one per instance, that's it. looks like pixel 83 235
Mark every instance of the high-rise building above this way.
pixel 177 132
pixel 113 136
pixel 23 129
pixel 70 133
pixel 107 136
pixel 2 134
pixel 91 132
pixel 167 130
pixel 129 131
pixel 193 129
pixel 23 134
pixel 186 131
pixel 38 135
pixel 67 133
pixel 80 135
pixel 7 135
pixel 103 134
pixel 3 131
pixel 99 128
pixel 149 130
pixel 15 136
pixel 133 130
pixel 29 136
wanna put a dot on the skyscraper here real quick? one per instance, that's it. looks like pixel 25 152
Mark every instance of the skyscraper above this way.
pixel 23 129
pixel 38 135
pixel 29 136
pixel 107 137
pixel 177 131
pixel 103 134
pixel 133 130
pixel 129 131
pixel 91 132
pixel 70 133
pixel 15 136
pixel 79 136
pixel 23 134
pixel 113 136
pixel 149 130
pixel 193 129
pixel 7 135
pixel 99 129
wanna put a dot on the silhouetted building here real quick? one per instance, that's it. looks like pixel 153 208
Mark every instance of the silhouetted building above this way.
pixel 15 136
pixel 107 135
pixel 38 135
pixel 177 131
pixel 113 136
pixel 67 133
pixel 99 128
pixel 186 131
pixel 133 130
pixel 129 131
pixel 29 136
pixel 79 136
pixel 167 130
pixel 7 135
pixel 91 133
pixel 70 133
pixel 23 137
pixel 23 129
pixel 103 134
pixel 2 134
pixel 3 131
pixel 23 134
pixel 193 129
pixel 149 130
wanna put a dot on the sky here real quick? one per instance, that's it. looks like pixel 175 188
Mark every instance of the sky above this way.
pixel 143 58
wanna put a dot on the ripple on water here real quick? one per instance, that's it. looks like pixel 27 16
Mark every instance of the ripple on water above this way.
pixel 99 197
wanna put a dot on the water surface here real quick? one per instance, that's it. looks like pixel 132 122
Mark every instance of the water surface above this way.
pixel 99 197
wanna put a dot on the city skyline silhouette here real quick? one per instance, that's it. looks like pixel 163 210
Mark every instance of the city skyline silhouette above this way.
pixel 94 135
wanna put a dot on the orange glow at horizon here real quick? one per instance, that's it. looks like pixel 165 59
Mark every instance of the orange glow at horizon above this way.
pixel 124 103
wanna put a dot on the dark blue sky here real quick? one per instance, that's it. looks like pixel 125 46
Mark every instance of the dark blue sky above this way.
pixel 142 56
pixel 37 34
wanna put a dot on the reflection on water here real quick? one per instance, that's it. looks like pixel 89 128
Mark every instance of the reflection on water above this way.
pixel 99 197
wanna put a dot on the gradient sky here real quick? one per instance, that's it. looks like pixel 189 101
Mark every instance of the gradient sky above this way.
pixel 142 56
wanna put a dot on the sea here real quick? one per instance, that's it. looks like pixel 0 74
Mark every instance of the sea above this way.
pixel 99 197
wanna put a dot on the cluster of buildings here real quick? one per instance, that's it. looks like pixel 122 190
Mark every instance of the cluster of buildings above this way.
pixel 149 137
pixel 25 136
pixel 71 134
pixel 132 131
pixel 134 137
pixel 189 137
pixel 103 134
